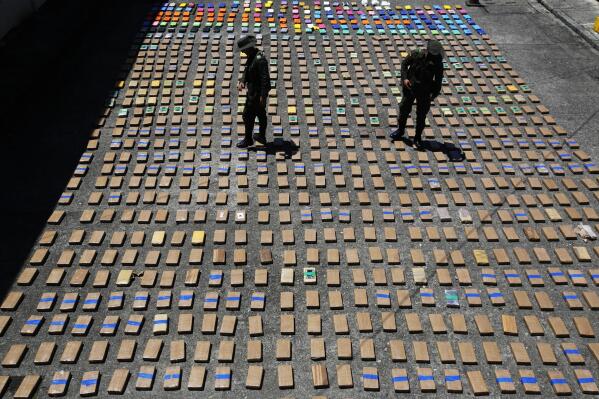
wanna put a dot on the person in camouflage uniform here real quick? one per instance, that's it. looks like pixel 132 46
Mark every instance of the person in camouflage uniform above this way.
pixel 256 79
pixel 421 77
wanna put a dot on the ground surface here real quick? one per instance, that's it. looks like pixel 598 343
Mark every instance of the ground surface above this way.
pixel 330 174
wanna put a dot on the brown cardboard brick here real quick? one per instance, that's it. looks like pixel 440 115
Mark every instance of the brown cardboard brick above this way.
pixel 398 353
pixel 509 324
pixel 367 351
pixel 312 299
pixel 28 386
pixel 526 376
pixel 519 352
pixel 445 351
pixel 370 379
pixel 351 254
pixel 344 348
pixel 583 327
pixel 228 325
pixel 467 352
pixel 400 380
pixel 364 322
pixel 359 277
pixel 286 300
pixel 45 353
pixel 261 277
pixel 283 349
pixel 492 352
pixel 398 276
pixel 388 321
pixel 335 300
pixel 421 352
pixel 419 275
pixel 533 325
pixel 592 299
pixel 557 275
pixel 413 322
pixel 177 351
pixel 543 301
pixel 287 324
pixel 522 300
pixel 172 378
pixel 458 323
pixel 375 254
pixel 586 387
pixel 443 276
pixel 254 378
pixel 317 349
pixel 453 381
pixel 558 326
pixel 255 325
pixel 570 351
pixel 118 382
pixel 153 349
pixel 383 298
pixel 126 350
pixel 546 353
pixel 287 276
pixel 222 383
pixel 202 351
pixel 560 388
pixel 12 300
pixel 477 382
pixel 534 278
pixel 483 324
pixel 320 377
pixel 344 376
pixel 209 323
pixel 340 324
pixel 505 385
pixel 14 355
pixel 285 376
pixel 27 276
pixel 71 352
pixel 314 324
pixel 98 352
pixel 426 384
pixel 90 388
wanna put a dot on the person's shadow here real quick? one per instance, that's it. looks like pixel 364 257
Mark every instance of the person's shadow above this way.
pixel 453 153
pixel 278 145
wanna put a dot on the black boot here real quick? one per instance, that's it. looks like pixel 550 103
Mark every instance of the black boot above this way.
pixel 245 143
pixel 260 138
pixel 418 143
pixel 396 135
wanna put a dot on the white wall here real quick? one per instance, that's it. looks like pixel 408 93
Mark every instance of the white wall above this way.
pixel 13 12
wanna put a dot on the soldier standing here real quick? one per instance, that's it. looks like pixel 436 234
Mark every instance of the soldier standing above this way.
pixel 256 79
pixel 421 77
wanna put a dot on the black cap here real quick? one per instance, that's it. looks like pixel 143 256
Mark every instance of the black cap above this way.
pixel 246 42
pixel 434 47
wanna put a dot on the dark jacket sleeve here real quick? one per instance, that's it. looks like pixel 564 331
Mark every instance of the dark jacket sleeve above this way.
pixel 264 78
pixel 405 64
pixel 438 81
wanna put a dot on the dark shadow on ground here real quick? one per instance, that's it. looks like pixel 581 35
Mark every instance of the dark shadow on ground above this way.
pixel 453 153
pixel 278 145
pixel 56 72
